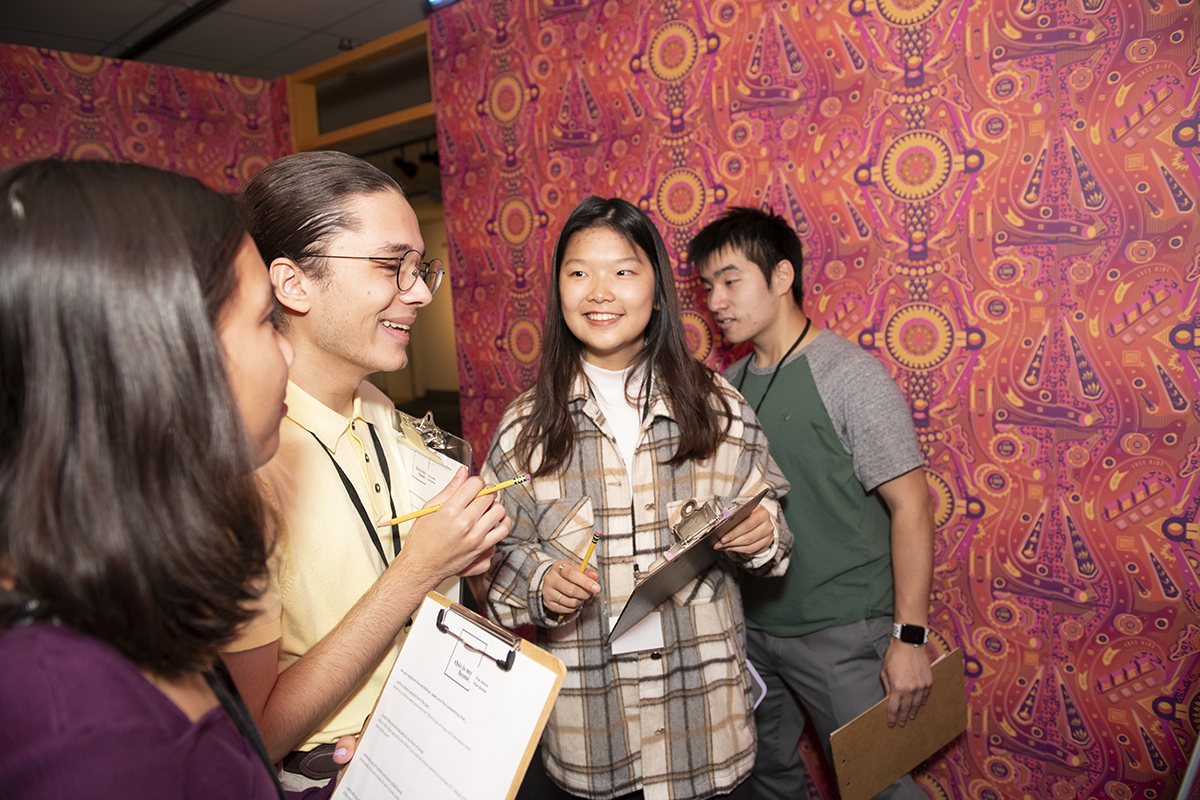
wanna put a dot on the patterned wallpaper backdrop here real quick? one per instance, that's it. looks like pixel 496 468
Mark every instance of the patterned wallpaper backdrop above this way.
pixel 219 128
pixel 998 200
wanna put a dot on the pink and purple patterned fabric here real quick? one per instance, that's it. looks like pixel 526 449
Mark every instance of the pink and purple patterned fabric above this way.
pixel 998 200
pixel 221 129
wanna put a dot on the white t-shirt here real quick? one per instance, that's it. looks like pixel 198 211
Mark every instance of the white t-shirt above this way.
pixel 624 418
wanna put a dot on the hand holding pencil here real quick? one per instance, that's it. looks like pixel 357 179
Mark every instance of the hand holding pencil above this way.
pixel 430 509
pixel 566 586
pixel 461 539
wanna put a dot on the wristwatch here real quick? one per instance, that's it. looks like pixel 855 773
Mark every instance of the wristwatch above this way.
pixel 910 634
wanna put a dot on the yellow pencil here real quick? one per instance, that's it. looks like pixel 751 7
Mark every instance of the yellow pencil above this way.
pixel 591 548
pixel 422 512
pixel 586 558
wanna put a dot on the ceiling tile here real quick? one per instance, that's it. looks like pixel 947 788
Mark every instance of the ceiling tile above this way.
pixel 379 20
pixel 313 15
pixel 228 36
pixel 144 28
pixel 310 50
pixel 51 41
pixel 172 58
pixel 103 21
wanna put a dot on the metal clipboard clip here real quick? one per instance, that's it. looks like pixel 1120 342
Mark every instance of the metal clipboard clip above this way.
pixel 479 635
pixel 695 522
pixel 433 437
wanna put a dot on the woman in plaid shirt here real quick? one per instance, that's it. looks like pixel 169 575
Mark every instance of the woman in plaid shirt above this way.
pixel 623 428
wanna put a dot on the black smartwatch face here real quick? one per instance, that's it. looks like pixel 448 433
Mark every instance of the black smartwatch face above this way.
pixel 912 634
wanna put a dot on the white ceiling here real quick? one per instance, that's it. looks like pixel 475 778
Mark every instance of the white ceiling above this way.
pixel 257 38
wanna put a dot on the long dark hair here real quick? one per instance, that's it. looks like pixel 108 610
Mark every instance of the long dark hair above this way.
pixel 696 403
pixel 127 504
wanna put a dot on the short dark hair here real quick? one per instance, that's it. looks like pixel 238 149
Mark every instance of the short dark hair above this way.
pixel 691 390
pixel 763 237
pixel 296 203
pixel 128 508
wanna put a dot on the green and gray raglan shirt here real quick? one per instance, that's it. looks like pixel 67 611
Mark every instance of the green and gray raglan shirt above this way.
pixel 838 427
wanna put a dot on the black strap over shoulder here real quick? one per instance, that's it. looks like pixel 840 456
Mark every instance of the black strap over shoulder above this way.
pixel 227 694
pixel 358 504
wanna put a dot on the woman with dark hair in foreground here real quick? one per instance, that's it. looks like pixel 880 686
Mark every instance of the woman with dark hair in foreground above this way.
pixel 141 382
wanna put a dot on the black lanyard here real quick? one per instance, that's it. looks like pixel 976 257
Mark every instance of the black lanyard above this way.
pixel 770 383
pixel 354 498
pixel 235 707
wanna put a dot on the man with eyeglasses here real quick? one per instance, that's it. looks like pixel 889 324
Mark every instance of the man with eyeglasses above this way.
pixel 346 258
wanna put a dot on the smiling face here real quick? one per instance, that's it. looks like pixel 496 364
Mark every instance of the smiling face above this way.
pixel 256 356
pixel 606 288
pixel 742 304
pixel 359 321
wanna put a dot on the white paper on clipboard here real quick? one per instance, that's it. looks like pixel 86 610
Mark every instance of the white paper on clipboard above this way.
pixel 460 716
pixel 428 471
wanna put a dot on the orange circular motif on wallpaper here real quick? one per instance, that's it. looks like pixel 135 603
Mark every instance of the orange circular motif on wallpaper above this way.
pixel 249 87
pixel 524 340
pixel 916 165
pixel 1118 791
pixel 993 126
pixel 1080 78
pixel 83 65
pixel 919 336
pixel 1082 272
pixel 1128 624
pixel 835 269
pixel 1070 629
pixel 731 165
pixel 943 499
pixel 1135 444
pixel 673 51
pixel 506 98
pixel 698 334
pixel 1139 51
pixel 830 106
pixel 726 14
pixel 908 12
pixel 1005 613
pixel 91 151
pixel 249 166
pixel 1077 457
pixel 1140 251
pixel 680 197
pixel 516 221
pixel 1006 447
pixel 993 481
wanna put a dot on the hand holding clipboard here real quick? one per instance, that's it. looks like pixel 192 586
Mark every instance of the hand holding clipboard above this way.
pixel 689 557
pixel 462 691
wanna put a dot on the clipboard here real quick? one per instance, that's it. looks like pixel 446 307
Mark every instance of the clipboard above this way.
pixel 429 454
pixel 460 715
pixel 868 756
pixel 669 576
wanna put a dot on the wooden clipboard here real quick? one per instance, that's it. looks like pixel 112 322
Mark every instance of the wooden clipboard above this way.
pixel 673 575
pixel 868 756
pixel 460 715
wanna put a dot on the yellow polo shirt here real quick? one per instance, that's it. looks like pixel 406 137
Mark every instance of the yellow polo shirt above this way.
pixel 323 560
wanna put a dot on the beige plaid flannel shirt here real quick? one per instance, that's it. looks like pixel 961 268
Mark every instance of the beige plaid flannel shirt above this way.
pixel 675 722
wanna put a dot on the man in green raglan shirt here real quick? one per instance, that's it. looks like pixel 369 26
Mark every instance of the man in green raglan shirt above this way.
pixel 845 625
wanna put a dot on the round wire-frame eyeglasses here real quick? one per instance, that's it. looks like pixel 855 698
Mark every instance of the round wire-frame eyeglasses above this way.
pixel 408 267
